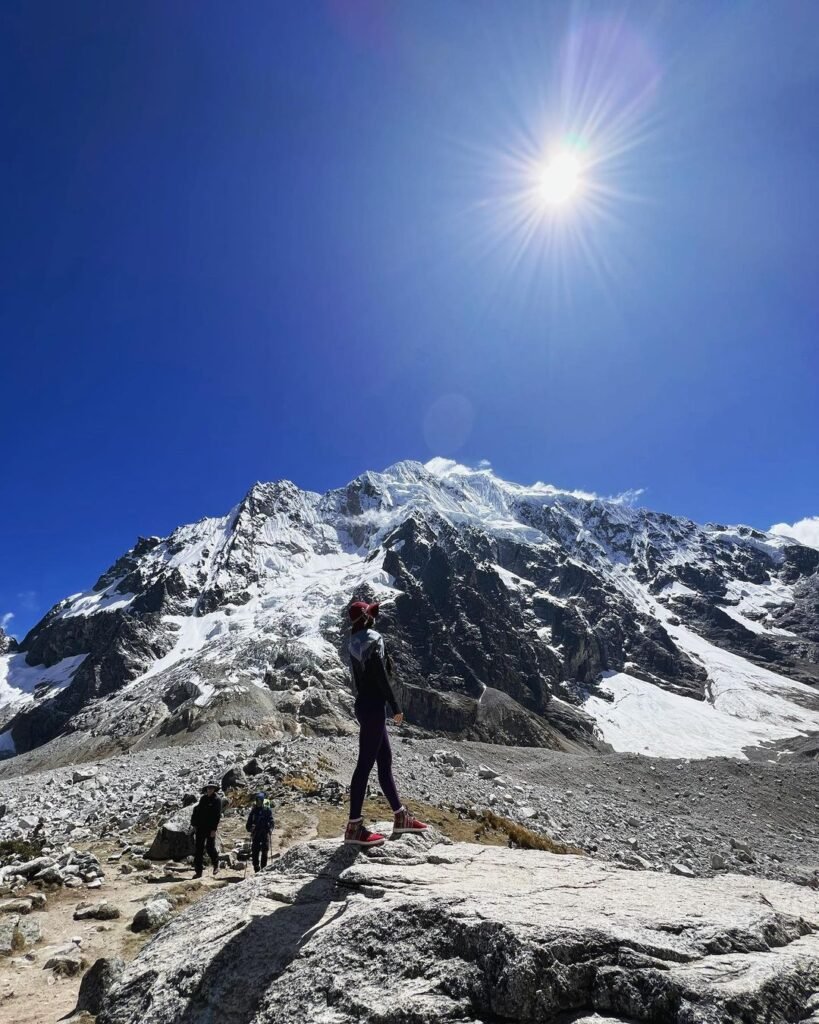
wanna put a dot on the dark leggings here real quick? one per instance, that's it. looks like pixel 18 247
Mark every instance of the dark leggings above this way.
pixel 204 841
pixel 373 746
pixel 258 850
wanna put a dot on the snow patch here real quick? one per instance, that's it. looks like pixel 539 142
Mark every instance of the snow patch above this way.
pixel 645 719
pixel 19 680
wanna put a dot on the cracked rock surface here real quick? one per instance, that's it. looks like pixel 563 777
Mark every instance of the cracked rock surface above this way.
pixel 427 931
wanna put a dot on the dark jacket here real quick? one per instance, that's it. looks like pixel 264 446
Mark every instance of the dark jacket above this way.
pixel 371 668
pixel 260 821
pixel 207 814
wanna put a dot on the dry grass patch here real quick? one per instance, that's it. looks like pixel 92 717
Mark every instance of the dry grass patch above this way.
pixel 305 783
pixel 520 836
pixel 484 827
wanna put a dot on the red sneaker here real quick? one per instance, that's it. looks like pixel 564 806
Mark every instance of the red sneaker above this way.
pixel 404 822
pixel 357 835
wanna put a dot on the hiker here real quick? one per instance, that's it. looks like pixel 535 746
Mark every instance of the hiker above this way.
pixel 260 825
pixel 205 820
pixel 371 670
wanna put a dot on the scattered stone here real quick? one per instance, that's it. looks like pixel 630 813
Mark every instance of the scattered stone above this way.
pixel 153 915
pixel 22 906
pixel 96 912
pixel 49 876
pixel 84 774
pixel 636 861
pixel 682 869
pixel 253 767
pixel 65 965
pixel 28 868
pixel 487 773
pixel 718 862
pixel 448 757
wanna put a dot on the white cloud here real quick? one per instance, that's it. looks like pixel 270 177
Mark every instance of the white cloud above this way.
pixel 805 531
pixel 28 600
pixel 5 620
pixel 629 497
pixel 449 467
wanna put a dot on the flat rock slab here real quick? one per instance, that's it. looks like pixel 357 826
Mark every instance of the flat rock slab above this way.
pixel 425 931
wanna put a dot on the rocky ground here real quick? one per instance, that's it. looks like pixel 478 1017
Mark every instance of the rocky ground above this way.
pixel 80 835
pixel 425 931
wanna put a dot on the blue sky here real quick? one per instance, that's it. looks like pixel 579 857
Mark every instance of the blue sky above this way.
pixel 260 240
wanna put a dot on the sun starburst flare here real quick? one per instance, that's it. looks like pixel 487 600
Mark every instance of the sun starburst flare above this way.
pixel 559 184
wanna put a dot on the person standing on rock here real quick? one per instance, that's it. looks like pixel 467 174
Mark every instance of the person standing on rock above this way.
pixel 260 827
pixel 371 669
pixel 205 819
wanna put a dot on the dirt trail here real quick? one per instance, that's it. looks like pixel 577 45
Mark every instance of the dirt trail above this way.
pixel 31 995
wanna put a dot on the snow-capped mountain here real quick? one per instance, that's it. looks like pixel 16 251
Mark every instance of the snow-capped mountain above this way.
pixel 515 614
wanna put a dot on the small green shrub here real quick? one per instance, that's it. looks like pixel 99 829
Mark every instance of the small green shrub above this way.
pixel 25 849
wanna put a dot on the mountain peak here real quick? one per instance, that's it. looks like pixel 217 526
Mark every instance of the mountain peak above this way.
pixel 517 613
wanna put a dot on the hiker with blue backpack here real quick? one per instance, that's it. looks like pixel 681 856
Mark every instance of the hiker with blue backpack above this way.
pixel 260 825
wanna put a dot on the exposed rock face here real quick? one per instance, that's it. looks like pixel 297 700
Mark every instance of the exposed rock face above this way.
pixel 8 645
pixel 96 982
pixel 496 599
pixel 468 933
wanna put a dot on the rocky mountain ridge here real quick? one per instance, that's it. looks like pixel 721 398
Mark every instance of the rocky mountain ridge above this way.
pixel 515 614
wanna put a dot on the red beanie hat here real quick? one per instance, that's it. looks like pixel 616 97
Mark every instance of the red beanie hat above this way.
pixel 360 609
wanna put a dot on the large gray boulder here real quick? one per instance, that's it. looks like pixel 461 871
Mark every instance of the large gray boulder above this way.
pixel 464 932
pixel 174 840
pixel 234 778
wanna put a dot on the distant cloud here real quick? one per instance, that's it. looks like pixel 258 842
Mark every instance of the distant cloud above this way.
pixel 28 600
pixel 629 497
pixel 805 531
pixel 5 621
pixel 449 467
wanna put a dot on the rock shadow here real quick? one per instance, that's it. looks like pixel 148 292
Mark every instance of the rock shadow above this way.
pixel 235 982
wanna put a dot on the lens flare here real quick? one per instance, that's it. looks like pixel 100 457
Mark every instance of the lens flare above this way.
pixel 559 179
pixel 555 192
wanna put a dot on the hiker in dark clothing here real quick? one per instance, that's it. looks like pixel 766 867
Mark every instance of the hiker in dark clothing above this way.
pixel 260 825
pixel 205 819
pixel 371 668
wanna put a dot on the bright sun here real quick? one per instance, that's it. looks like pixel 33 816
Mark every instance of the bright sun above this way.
pixel 559 179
